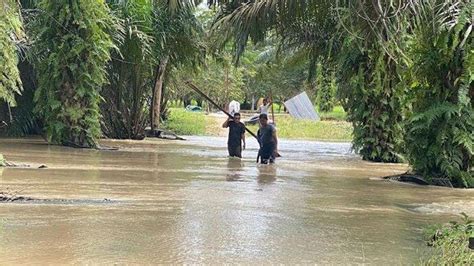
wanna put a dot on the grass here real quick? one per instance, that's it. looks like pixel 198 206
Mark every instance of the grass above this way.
pixel 337 114
pixel 450 243
pixel 186 123
pixel 189 123
pixel 290 128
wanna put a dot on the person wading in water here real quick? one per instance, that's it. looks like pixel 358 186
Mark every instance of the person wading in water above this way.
pixel 268 140
pixel 236 136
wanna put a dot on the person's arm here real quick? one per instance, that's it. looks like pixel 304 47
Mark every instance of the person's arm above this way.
pixel 226 123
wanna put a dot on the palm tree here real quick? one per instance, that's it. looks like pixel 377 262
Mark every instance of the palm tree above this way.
pixel 440 139
pixel 130 71
pixel 177 34
pixel 72 45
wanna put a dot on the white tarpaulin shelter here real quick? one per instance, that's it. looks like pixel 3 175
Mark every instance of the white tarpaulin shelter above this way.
pixel 300 107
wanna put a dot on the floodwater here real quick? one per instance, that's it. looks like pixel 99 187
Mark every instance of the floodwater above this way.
pixel 185 202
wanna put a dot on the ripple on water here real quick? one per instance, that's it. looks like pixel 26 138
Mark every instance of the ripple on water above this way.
pixel 452 207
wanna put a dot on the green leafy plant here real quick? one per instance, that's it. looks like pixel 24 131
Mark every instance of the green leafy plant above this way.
pixel 11 31
pixel 450 242
pixel 130 72
pixel 373 102
pixel 440 140
pixel 326 83
pixel 72 47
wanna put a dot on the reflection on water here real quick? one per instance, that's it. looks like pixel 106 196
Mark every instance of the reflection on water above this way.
pixel 234 168
pixel 186 202
pixel 266 173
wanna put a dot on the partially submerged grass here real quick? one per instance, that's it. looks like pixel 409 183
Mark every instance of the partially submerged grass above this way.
pixel 450 243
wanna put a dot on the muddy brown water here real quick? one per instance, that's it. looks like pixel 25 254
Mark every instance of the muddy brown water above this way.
pixel 185 202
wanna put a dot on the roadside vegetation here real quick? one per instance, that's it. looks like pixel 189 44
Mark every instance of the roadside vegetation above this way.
pixel 450 243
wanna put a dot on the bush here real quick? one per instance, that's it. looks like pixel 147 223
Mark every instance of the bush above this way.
pixel 450 243
pixel 72 48
pixel 439 140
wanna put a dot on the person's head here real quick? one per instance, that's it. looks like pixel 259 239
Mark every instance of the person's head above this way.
pixel 265 101
pixel 237 117
pixel 263 119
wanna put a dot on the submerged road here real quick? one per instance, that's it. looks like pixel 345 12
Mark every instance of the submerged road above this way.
pixel 185 202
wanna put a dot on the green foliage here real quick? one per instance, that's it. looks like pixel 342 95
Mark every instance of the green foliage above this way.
pixel 177 32
pixel 326 84
pixel 374 103
pixel 337 114
pixel 130 72
pixel 72 46
pixel 440 139
pixel 25 121
pixel 283 76
pixel 217 78
pixel 450 243
pixel 10 33
pixel 313 28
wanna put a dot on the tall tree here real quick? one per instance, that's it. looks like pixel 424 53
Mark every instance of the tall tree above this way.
pixel 369 72
pixel 130 72
pixel 440 131
pixel 72 47
pixel 178 35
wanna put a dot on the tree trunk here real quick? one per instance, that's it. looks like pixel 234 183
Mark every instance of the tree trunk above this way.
pixel 157 94
pixel 253 102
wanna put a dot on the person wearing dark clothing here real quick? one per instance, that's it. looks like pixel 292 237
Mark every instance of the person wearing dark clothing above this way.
pixel 268 140
pixel 236 136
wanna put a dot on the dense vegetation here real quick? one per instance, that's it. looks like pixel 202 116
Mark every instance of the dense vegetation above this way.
pixel 402 71
pixel 72 48
pixel 11 29
pixel 451 242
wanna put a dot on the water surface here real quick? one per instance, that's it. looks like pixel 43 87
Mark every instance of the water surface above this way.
pixel 185 202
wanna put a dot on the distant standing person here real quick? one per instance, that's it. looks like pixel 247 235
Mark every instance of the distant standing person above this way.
pixel 263 109
pixel 268 140
pixel 236 135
